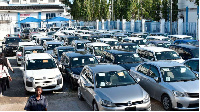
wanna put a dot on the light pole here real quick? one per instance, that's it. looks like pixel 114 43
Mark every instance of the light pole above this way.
pixel 112 10
pixel 171 17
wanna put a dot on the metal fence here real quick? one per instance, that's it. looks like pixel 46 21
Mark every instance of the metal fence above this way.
pixel 174 28
pixel 189 29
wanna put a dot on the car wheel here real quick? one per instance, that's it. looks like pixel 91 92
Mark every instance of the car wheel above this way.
pixel 80 97
pixel 167 105
pixel 95 106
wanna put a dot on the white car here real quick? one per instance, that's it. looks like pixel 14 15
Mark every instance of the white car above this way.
pixel 40 69
pixel 20 50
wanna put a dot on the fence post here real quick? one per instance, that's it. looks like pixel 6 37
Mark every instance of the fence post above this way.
pixel 102 24
pixel 118 21
pixel 162 25
pixel 132 25
pixel 180 26
pixel 97 24
pixel 108 24
pixel 143 25
pixel 123 24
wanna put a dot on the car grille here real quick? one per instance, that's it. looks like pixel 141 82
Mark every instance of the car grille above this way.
pixel 193 95
pixel 48 87
pixel 193 105
pixel 126 104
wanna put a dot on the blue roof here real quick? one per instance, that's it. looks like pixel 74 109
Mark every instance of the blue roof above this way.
pixel 30 19
pixel 57 19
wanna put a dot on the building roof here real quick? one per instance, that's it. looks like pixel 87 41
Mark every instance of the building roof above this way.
pixel 31 7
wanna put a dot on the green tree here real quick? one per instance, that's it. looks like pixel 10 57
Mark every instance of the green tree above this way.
pixel 165 10
pixel 155 10
pixel 104 10
pixel 174 10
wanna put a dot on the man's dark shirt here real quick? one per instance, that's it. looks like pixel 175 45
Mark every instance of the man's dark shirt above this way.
pixel 36 105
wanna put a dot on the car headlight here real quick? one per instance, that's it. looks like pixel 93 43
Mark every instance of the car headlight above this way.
pixel 30 79
pixel 58 76
pixel 107 103
pixel 146 98
pixel 179 94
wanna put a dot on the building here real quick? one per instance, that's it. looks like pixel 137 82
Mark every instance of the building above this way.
pixel 13 11
pixel 192 10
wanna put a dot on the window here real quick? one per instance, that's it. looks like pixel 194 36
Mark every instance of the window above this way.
pixel 50 15
pixel 143 69
pixel 89 77
pixel 33 1
pixel 50 1
pixel 153 72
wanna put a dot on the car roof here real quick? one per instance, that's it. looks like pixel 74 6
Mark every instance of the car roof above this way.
pixel 38 56
pixel 97 44
pixel 81 41
pixel 13 38
pixel 156 37
pixel 187 46
pixel 105 68
pixel 78 54
pixel 32 47
pixel 107 39
pixel 134 38
pixel 72 37
pixel 26 43
pixel 119 52
pixel 123 44
pixel 185 40
pixel 165 63
pixel 64 47
pixel 180 36
pixel 156 49
pixel 158 41
pixel 53 42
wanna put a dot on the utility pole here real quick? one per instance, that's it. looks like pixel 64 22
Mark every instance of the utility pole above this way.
pixel 171 17
pixel 112 10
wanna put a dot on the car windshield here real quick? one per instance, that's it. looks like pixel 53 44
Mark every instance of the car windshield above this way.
pixel 111 43
pixel 33 51
pixel 166 39
pixel 82 61
pixel 167 55
pixel 130 47
pixel 195 53
pixel 85 37
pixel 44 64
pixel 50 33
pixel 12 40
pixel 80 46
pixel 52 46
pixel 60 51
pixel 107 36
pixel 139 42
pixel 165 45
pixel 113 79
pixel 127 58
pixel 177 73
pixel 194 43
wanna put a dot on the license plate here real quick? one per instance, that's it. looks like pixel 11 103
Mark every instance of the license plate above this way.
pixel 130 109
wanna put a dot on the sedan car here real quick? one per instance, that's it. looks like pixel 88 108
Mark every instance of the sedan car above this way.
pixel 193 64
pixel 111 87
pixel 172 83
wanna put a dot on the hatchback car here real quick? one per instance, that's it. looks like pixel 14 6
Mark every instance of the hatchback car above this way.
pixel 172 83
pixel 111 87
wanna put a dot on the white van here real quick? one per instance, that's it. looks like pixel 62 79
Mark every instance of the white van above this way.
pixel 40 69
pixel 158 53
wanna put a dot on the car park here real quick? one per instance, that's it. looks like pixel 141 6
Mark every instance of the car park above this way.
pixel 72 64
pixel 139 41
pixel 79 45
pixel 97 48
pixel 122 58
pixel 112 42
pixel 68 40
pixel 46 75
pixel 111 87
pixel 158 53
pixel 171 83
pixel 131 47
pixel 20 49
pixel 158 43
pixel 193 64
pixel 10 45
pixel 186 51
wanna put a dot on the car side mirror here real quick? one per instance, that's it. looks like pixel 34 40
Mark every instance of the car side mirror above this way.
pixel 88 85
pixel 137 80
pixel 157 79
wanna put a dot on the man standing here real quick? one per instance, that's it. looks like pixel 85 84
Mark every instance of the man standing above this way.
pixel 37 102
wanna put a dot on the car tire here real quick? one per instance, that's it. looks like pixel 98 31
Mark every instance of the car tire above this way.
pixel 95 106
pixel 166 102
pixel 80 97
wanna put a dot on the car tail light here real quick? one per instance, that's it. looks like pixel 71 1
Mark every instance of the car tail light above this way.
pixel 19 55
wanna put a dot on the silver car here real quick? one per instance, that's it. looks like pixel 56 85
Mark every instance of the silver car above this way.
pixel 172 83
pixel 111 87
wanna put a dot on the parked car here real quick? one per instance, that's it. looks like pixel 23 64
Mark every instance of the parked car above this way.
pixel 112 42
pixel 158 43
pixel 171 83
pixel 122 58
pixel 131 47
pixel 185 41
pixel 10 45
pixel 119 36
pixel 79 45
pixel 84 36
pixel 41 41
pixel 51 34
pixel 158 53
pixel 193 64
pixel 72 64
pixel 19 51
pixel 179 37
pixel 111 87
pixel 186 51
pixel 46 75
pixel 94 38
pixel 162 38
pixel 158 34
pixel 139 41
pixel 97 48
pixel 106 35
pixel 68 40
pixel 141 35
pixel 25 33
pixel 50 45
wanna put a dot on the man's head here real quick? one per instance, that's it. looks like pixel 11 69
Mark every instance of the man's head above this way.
pixel 38 90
